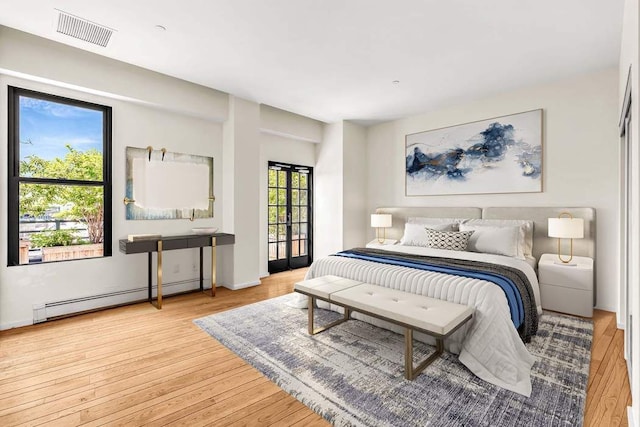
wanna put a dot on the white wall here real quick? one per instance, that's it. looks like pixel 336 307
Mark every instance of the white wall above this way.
pixel 629 57
pixel 61 65
pixel 289 125
pixel 580 158
pixel 340 190
pixel 242 180
pixel 356 218
pixel 328 201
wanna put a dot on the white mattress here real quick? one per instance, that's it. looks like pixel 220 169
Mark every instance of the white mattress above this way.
pixel 489 344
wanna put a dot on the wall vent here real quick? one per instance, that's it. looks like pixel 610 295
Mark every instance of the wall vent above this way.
pixel 83 29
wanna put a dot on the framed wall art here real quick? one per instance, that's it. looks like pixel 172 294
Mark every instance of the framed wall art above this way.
pixel 499 155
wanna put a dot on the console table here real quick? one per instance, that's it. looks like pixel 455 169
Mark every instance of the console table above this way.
pixel 167 243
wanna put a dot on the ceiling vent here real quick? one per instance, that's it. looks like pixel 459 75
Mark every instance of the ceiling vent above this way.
pixel 82 29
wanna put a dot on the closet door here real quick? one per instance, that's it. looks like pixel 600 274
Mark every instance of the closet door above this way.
pixel 627 199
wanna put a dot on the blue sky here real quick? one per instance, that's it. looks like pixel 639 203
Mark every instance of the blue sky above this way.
pixel 46 127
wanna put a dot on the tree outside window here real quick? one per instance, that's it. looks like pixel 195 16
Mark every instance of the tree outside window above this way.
pixel 59 178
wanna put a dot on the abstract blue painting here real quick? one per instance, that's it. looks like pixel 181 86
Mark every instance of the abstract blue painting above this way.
pixel 499 155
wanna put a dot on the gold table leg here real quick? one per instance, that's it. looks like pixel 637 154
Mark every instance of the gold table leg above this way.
pixel 213 266
pixel 158 303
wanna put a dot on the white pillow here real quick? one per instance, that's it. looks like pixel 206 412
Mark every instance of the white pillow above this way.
pixel 526 237
pixel 436 222
pixel 494 240
pixel 520 252
pixel 416 235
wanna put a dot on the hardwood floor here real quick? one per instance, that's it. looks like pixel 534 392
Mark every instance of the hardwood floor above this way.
pixel 137 365
pixel 608 392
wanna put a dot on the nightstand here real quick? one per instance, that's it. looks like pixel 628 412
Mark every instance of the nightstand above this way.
pixel 375 244
pixel 566 288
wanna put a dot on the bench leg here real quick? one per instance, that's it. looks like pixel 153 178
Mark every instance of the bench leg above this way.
pixel 311 306
pixel 409 372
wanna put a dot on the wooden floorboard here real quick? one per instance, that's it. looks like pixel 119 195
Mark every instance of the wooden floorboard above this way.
pixel 136 365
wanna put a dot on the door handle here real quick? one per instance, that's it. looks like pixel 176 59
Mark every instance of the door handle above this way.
pixel 289 219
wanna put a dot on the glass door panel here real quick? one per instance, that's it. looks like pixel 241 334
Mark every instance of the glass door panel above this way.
pixel 289 216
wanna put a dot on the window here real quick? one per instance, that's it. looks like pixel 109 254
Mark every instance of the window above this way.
pixel 59 178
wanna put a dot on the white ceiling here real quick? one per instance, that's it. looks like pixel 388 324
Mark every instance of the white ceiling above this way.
pixel 336 59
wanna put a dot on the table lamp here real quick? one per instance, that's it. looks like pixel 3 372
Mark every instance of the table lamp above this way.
pixel 566 227
pixel 379 221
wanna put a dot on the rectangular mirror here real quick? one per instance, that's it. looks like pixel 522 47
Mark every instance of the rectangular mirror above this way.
pixel 166 185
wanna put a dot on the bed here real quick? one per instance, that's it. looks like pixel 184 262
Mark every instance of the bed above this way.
pixel 492 345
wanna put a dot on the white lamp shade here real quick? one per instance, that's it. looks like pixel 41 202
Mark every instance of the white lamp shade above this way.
pixel 566 228
pixel 381 220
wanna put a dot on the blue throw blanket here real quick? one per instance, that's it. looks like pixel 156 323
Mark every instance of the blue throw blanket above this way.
pixel 518 306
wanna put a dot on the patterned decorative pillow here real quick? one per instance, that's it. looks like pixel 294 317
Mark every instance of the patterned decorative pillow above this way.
pixel 451 240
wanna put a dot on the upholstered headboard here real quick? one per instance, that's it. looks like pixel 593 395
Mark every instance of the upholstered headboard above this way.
pixel 541 242
pixel 400 215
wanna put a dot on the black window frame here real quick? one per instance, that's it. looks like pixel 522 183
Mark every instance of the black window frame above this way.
pixel 13 229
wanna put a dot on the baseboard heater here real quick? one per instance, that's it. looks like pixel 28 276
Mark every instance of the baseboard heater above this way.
pixel 57 309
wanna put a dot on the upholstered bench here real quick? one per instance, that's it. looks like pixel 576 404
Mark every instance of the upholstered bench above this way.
pixel 413 312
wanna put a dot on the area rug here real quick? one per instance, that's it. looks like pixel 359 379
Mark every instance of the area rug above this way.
pixel 352 374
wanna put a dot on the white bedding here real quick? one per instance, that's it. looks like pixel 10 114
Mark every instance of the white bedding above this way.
pixel 489 344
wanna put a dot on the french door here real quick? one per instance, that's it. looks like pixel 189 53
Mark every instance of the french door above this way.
pixel 290 216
